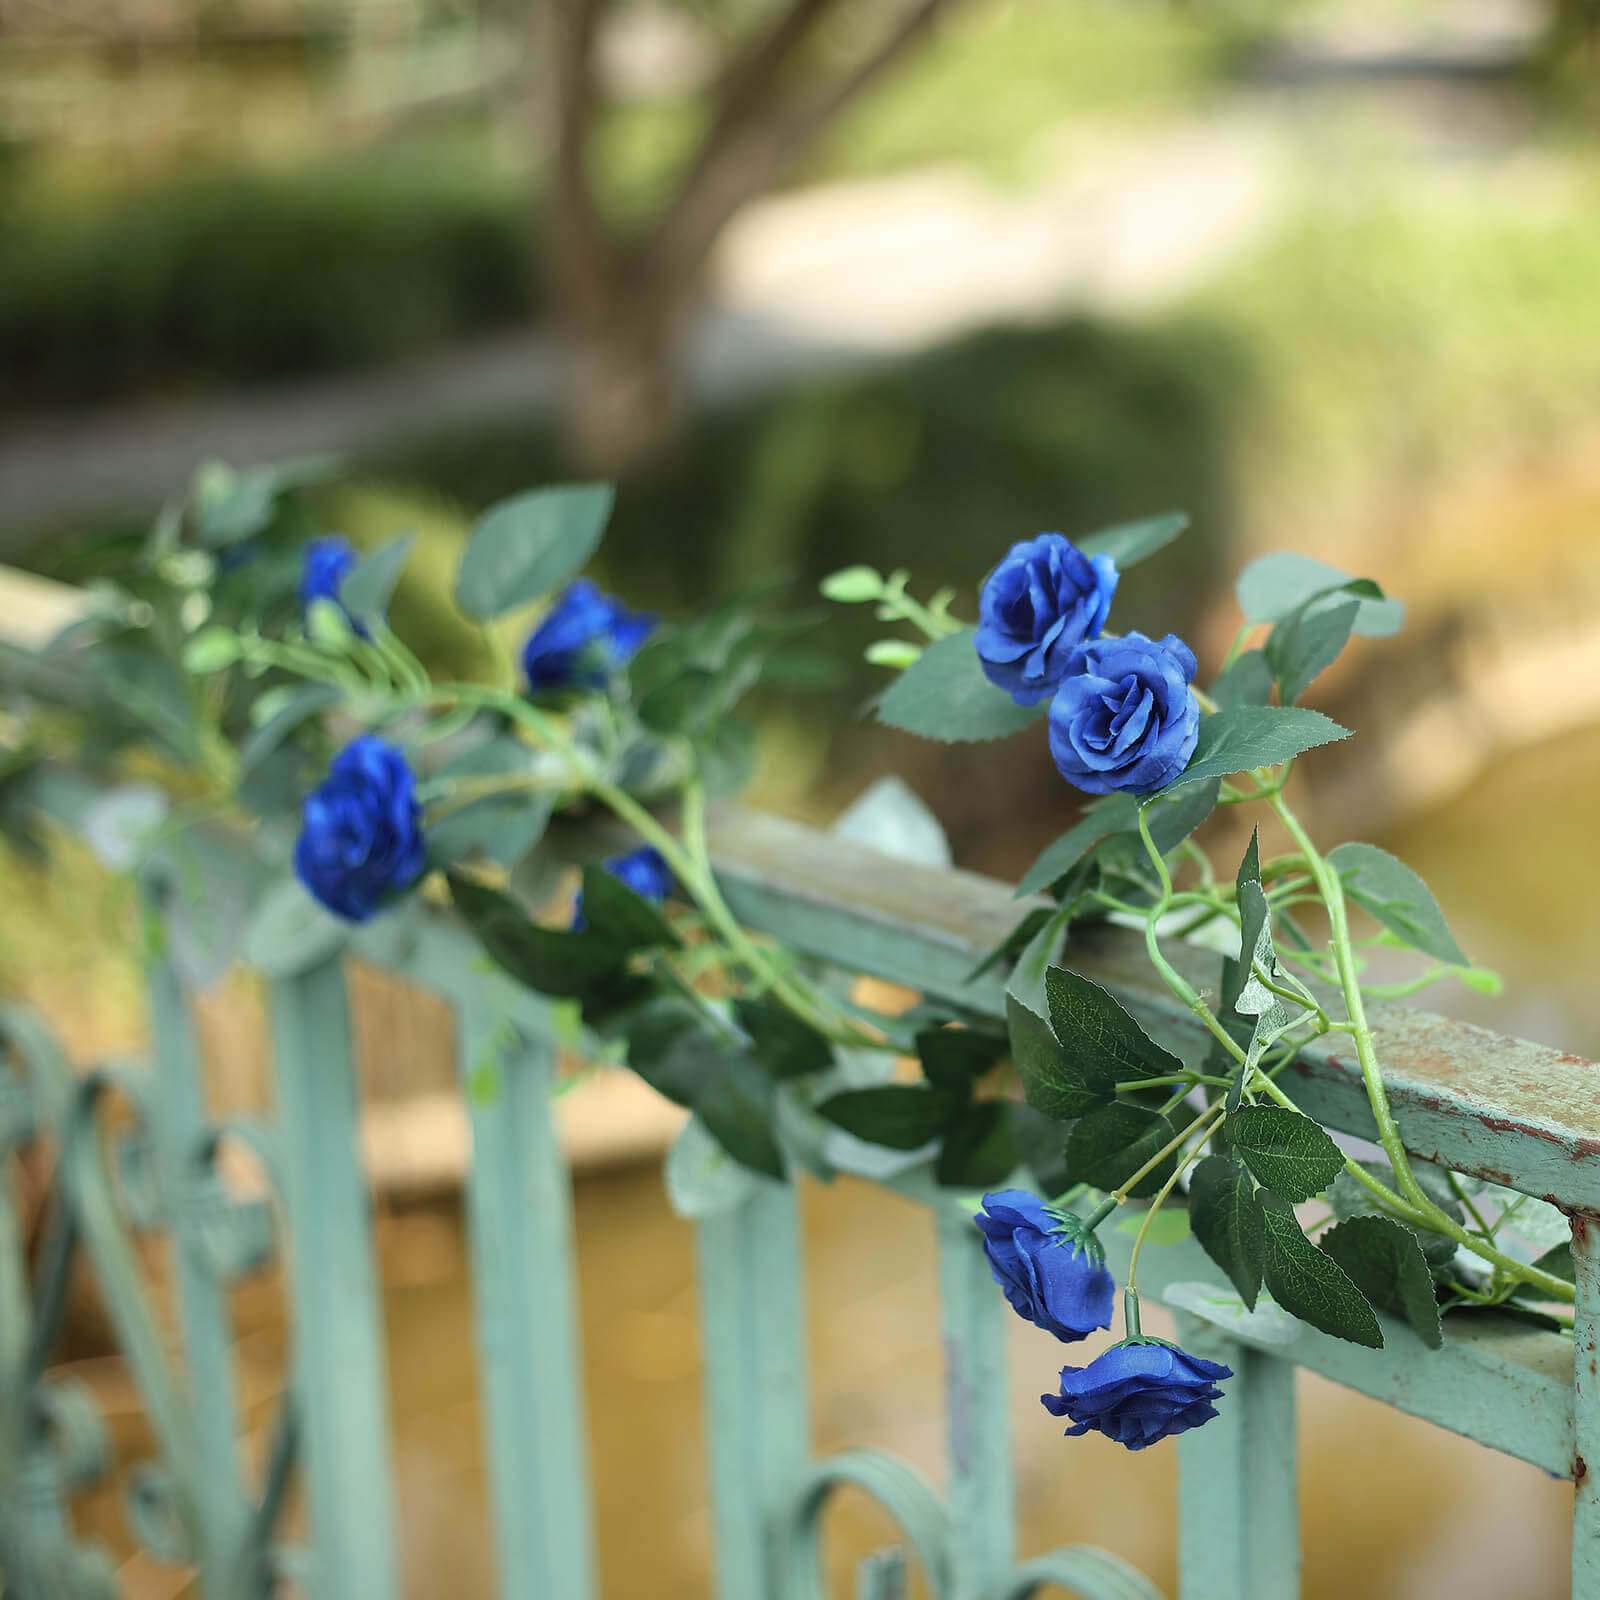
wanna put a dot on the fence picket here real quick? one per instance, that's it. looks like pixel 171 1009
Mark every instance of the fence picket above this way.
pixel 338 1331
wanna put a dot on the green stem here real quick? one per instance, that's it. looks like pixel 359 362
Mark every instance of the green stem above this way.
pixel 1160 1199
pixel 1432 1215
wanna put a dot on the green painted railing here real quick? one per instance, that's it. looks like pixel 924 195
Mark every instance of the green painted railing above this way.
pixel 1511 1112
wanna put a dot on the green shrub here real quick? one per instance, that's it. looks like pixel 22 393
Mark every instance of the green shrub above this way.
pixel 249 277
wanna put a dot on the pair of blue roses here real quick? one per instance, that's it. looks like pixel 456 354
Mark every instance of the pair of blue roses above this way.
pixel 1123 717
pixel 361 838
pixel 1137 1392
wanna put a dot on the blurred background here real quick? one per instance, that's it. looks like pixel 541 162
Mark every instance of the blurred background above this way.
pixel 895 281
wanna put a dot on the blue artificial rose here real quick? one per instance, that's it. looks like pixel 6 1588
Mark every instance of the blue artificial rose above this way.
pixel 1124 719
pixel 361 834
pixel 585 637
pixel 643 870
pixel 1053 1279
pixel 1036 608
pixel 1138 1392
pixel 326 565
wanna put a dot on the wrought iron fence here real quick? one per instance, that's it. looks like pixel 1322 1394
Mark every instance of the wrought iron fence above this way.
pixel 1511 1112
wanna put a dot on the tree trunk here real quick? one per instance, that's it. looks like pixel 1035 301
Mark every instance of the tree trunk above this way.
pixel 623 400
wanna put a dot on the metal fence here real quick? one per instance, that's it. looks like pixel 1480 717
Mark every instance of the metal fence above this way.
pixel 1514 1113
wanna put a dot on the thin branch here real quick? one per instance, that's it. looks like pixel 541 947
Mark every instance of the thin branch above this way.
pixel 750 160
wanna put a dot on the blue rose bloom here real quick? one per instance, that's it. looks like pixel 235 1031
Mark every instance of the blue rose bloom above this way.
pixel 326 565
pixel 1139 1392
pixel 1050 1278
pixel 1124 719
pixel 360 838
pixel 585 637
pixel 643 870
pixel 1036 608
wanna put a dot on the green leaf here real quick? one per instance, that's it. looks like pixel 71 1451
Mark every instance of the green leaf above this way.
pixel 1226 1218
pixel 1274 585
pixel 1248 682
pixel 955 1058
pixel 1244 737
pixel 1305 642
pixel 290 932
pixel 1131 542
pixel 702 1180
pixel 1026 981
pixel 1172 819
pixel 297 707
pixel 783 1044
pixel 1042 1144
pixel 1286 1150
pixel 501 828
pixel 530 545
pixel 1398 898
pixel 621 916
pixel 901 1116
pixel 736 1105
pixel 1052 1085
pixel 1252 998
pixel 1102 1044
pixel 1120 814
pixel 980 1150
pixel 370 583
pixel 570 965
pixel 1113 1141
pixel 945 696
pixel 1310 1284
pixel 1348 1198
pixel 1011 947
pixel 1385 1262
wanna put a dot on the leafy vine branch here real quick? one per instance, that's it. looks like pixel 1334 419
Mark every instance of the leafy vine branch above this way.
pixel 282 688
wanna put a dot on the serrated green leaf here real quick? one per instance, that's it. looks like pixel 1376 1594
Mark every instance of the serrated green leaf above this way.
pixel 945 696
pixel 901 1116
pixel 1226 1218
pixel 1111 1143
pixel 1288 1152
pixel 1384 1261
pixel 1310 1284
pixel 530 545
pixel 1306 642
pixel 1398 898
pixel 1132 542
pixel 1244 737
pixel 1349 1198
pixel 980 1150
pixel 1103 1045
pixel 955 1058
pixel 1053 1086
pixel 1248 682
pixel 1274 585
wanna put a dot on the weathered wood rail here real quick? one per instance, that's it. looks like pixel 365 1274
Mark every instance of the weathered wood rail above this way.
pixel 1509 1111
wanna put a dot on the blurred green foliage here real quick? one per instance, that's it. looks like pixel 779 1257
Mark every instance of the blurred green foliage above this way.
pixel 236 277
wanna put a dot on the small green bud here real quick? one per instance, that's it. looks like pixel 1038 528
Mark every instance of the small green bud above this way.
pixel 852 585
pixel 899 653
pixel 211 650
